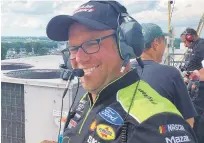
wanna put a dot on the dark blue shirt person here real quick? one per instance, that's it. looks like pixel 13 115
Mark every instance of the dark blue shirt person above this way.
pixel 166 80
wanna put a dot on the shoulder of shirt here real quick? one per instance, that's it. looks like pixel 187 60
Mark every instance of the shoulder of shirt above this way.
pixel 168 70
pixel 200 43
pixel 165 68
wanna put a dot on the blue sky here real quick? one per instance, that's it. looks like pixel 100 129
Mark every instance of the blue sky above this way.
pixel 29 17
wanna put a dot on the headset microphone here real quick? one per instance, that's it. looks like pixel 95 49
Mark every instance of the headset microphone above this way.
pixel 75 73
pixel 140 62
pixel 126 60
pixel 78 72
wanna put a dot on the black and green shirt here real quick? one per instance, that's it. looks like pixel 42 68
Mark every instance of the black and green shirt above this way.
pixel 151 119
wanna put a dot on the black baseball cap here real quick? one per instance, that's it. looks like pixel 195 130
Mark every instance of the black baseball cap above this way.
pixel 189 31
pixel 93 14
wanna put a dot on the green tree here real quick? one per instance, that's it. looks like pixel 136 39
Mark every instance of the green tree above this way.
pixel 17 49
pixel 36 46
pixel 28 47
pixel 17 46
pixel 177 42
pixel 4 50
pixel 43 51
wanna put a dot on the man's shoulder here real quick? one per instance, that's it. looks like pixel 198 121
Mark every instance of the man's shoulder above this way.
pixel 159 65
pixel 164 127
pixel 200 44
pixel 146 96
pixel 165 69
pixel 171 69
pixel 201 40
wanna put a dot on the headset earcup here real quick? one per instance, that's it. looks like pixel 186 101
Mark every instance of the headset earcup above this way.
pixel 123 47
pixel 131 36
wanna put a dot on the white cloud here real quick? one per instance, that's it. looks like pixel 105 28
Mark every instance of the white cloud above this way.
pixel 188 9
pixel 29 22
pixel 186 13
pixel 23 21
pixel 68 7
pixel 148 16
pixel 31 17
pixel 28 7
pixel 183 9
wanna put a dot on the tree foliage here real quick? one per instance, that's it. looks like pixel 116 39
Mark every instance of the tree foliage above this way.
pixel 4 49
pixel 38 47
pixel 177 43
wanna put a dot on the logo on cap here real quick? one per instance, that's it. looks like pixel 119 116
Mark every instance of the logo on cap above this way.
pixel 85 8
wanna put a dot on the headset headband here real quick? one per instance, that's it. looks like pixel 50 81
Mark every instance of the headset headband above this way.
pixel 117 6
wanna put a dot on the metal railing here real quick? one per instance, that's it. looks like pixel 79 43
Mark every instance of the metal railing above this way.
pixel 175 59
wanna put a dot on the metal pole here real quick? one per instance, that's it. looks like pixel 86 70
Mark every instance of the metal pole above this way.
pixel 200 25
pixel 169 15
pixel 169 28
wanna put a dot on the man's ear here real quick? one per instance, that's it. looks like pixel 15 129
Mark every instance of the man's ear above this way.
pixel 155 44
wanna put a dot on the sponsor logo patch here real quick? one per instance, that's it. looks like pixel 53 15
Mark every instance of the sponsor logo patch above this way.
pixel 170 128
pixel 78 116
pixel 72 123
pixel 93 125
pixel 177 139
pixel 111 116
pixel 80 106
pixel 105 132
pixel 92 140
pixel 147 96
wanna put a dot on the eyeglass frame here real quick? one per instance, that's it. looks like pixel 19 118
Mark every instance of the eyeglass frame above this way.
pixel 98 40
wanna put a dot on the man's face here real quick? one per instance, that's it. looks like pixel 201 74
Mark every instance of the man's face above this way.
pixel 186 43
pixel 100 68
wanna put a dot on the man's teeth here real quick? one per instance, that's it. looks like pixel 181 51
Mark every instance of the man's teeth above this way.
pixel 89 70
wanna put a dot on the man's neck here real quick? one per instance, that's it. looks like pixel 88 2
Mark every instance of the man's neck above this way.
pixel 147 57
pixel 93 97
pixel 94 94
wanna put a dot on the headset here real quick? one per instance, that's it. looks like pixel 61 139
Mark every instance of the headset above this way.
pixel 65 68
pixel 129 37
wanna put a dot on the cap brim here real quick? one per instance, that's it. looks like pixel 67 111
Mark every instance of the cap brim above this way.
pixel 166 34
pixel 58 27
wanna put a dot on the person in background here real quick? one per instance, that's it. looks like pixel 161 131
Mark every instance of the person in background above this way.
pixel 194 62
pixel 166 80
pixel 191 40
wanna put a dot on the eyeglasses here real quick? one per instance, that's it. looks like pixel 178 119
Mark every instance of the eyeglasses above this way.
pixel 89 47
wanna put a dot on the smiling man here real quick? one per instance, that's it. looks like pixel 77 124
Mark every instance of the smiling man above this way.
pixel 98 65
pixel 119 107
